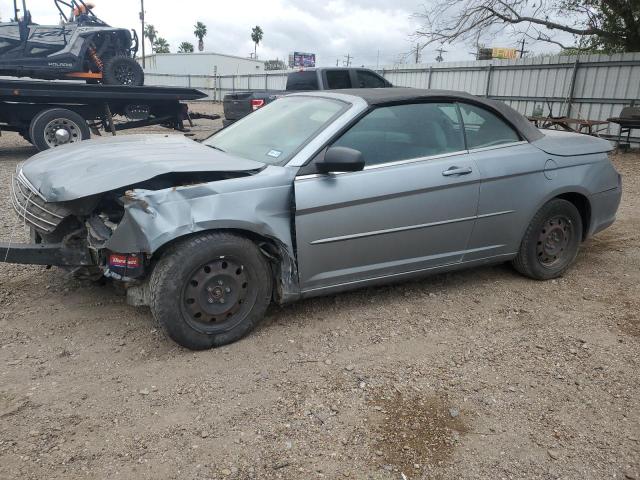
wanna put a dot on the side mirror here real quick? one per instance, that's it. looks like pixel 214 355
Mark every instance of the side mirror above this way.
pixel 341 159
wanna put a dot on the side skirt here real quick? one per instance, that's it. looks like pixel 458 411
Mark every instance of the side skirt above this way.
pixel 400 277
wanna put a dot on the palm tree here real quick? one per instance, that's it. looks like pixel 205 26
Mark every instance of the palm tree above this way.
pixel 185 47
pixel 200 32
pixel 256 35
pixel 161 46
pixel 151 33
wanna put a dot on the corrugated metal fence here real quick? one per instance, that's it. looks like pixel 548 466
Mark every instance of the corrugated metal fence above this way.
pixel 594 87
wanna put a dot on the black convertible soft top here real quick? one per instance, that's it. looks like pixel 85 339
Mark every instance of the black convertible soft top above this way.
pixel 389 96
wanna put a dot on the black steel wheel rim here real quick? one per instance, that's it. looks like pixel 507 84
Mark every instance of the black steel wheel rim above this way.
pixel 217 295
pixel 554 241
pixel 124 74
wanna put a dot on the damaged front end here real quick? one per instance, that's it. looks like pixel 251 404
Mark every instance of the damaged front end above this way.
pixel 118 234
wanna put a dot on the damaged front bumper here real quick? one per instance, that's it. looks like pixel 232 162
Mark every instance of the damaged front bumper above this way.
pixel 55 255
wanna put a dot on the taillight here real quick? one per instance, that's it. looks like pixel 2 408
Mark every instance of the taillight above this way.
pixel 256 104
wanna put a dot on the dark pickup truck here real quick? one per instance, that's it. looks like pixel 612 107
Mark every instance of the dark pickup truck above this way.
pixel 240 104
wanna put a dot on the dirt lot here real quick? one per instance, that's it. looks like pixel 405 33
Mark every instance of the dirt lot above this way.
pixel 477 374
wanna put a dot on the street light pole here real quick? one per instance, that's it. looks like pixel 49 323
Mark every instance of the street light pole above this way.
pixel 144 56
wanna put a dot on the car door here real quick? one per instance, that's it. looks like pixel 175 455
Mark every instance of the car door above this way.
pixel 512 173
pixel 412 208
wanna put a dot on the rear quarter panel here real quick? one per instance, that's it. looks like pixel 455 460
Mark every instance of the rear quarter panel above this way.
pixel 517 181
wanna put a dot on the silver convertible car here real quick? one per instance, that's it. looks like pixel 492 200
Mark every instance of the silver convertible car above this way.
pixel 315 194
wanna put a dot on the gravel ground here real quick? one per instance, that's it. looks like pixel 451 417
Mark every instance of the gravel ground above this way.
pixel 480 374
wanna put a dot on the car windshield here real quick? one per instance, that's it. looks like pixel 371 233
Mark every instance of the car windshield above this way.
pixel 278 131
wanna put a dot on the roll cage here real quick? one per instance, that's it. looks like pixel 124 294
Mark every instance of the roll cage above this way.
pixel 86 15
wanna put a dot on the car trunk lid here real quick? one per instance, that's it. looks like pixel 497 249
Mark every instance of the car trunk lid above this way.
pixel 568 144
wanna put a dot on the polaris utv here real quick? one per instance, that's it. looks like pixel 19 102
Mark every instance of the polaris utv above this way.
pixel 81 47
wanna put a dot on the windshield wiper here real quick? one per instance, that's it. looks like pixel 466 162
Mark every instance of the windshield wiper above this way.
pixel 217 148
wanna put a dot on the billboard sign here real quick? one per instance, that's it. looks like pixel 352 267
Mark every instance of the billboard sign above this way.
pixel 505 53
pixel 303 60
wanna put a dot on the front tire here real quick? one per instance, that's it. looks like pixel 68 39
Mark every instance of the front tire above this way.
pixel 551 242
pixel 210 290
pixel 56 127
pixel 120 70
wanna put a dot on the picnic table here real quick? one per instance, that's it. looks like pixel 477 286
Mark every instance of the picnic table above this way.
pixel 577 125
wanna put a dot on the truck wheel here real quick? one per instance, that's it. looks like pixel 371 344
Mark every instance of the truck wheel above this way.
pixel 56 127
pixel 123 71
pixel 210 290
pixel 551 242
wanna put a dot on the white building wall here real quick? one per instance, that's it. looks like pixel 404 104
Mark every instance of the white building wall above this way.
pixel 201 64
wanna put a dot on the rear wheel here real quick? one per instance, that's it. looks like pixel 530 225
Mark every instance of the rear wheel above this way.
pixel 56 127
pixel 551 242
pixel 210 290
pixel 121 70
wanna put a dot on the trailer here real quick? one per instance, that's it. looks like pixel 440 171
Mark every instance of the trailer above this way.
pixel 50 114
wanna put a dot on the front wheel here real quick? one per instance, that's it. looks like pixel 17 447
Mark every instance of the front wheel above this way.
pixel 551 242
pixel 210 290
pixel 56 127
pixel 122 70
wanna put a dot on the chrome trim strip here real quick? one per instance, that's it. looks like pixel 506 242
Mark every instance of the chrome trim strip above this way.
pixel 30 188
pixel 416 160
pixel 356 236
pixel 496 147
pixel 388 164
pixel 27 183
pixel 23 212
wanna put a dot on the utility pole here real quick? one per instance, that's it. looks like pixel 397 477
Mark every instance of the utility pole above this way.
pixel 417 53
pixel 378 60
pixel 348 60
pixel 440 51
pixel 337 62
pixel 144 59
pixel 522 50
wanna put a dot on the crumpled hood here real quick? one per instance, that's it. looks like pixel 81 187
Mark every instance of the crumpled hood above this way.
pixel 98 166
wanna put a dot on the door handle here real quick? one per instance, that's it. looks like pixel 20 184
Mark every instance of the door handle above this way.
pixel 457 171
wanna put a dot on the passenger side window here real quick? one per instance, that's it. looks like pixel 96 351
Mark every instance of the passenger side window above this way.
pixel 484 128
pixel 404 132
pixel 370 80
pixel 338 79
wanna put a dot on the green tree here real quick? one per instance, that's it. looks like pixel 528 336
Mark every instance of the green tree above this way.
pixel 596 25
pixel 256 35
pixel 200 32
pixel 151 33
pixel 161 46
pixel 185 47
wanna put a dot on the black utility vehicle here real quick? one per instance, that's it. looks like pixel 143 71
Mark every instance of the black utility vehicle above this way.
pixel 240 104
pixel 81 47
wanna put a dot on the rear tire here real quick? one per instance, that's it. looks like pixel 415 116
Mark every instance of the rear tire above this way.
pixel 551 242
pixel 121 70
pixel 210 290
pixel 57 127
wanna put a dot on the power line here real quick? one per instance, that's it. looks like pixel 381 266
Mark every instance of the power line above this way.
pixel 348 60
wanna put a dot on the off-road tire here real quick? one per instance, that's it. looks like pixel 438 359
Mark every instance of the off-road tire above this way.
pixel 531 259
pixel 172 282
pixel 120 70
pixel 38 130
